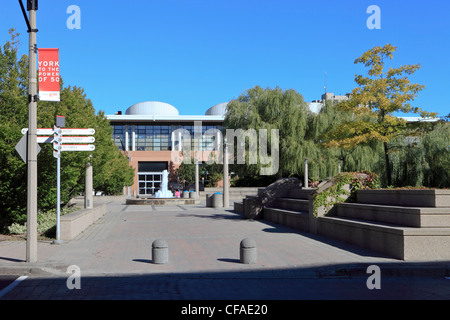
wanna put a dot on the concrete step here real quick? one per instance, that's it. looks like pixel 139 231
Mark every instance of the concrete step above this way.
pixel 301 205
pixel 405 243
pixel 293 219
pixel 239 206
pixel 403 216
pixel 299 193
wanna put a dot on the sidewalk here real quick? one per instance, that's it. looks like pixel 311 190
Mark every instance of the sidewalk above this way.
pixel 201 240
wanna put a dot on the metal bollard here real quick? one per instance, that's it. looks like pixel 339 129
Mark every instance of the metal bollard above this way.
pixel 248 251
pixel 160 252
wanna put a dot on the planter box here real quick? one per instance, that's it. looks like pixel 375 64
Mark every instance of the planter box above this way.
pixel 436 198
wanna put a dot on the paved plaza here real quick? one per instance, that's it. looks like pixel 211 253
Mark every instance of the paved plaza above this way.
pixel 114 258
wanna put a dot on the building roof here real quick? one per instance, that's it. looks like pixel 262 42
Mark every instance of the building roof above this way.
pixel 152 108
pixel 148 111
pixel 217 110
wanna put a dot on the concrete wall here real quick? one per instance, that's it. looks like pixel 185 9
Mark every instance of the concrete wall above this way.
pixel 74 223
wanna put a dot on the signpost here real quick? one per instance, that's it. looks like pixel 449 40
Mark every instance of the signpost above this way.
pixel 63 139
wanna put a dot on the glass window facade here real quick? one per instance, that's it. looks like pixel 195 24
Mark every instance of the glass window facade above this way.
pixel 153 138
pixel 159 137
pixel 119 136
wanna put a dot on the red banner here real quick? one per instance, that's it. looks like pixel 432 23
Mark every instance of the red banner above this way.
pixel 49 75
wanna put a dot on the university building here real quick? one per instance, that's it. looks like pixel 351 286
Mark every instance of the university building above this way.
pixel 148 132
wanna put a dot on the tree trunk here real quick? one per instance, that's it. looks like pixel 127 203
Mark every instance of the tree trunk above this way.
pixel 388 165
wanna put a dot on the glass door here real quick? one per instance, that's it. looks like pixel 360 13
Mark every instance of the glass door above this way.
pixel 149 183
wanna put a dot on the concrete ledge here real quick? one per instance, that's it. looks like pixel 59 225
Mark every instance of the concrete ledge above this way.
pixel 292 219
pixel 74 223
pixel 292 204
pixel 403 243
pixel 424 217
pixel 300 193
pixel 163 201
pixel 437 198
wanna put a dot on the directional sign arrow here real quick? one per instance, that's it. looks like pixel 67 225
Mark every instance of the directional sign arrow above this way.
pixel 40 131
pixel 77 147
pixel 73 139
pixel 77 132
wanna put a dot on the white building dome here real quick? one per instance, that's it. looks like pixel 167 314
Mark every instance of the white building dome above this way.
pixel 152 108
pixel 217 110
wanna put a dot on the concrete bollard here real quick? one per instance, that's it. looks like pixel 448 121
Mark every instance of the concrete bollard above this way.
pixel 185 194
pixel 160 252
pixel 193 195
pixel 248 254
pixel 217 200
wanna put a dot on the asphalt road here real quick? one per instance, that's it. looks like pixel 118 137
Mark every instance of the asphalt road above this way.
pixel 212 287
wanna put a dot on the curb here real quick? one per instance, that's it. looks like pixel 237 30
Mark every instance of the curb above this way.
pixel 311 272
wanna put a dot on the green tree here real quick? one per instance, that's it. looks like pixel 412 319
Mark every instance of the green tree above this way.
pixel 13 117
pixel 325 160
pixel 424 160
pixel 373 103
pixel 111 168
pixel 285 110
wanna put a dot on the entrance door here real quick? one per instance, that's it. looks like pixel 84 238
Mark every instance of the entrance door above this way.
pixel 150 176
pixel 149 183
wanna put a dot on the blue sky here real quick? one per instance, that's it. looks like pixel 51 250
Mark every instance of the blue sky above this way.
pixel 194 54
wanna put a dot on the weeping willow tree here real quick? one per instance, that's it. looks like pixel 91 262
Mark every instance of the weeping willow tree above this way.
pixel 326 161
pixel 424 160
pixel 300 135
pixel 283 110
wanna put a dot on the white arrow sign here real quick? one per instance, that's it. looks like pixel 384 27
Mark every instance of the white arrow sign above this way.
pixel 77 147
pixel 66 139
pixel 73 139
pixel 65 131
pixel 77 132
pixel 40 131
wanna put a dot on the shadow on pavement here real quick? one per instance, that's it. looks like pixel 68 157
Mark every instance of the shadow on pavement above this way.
pixel 337 282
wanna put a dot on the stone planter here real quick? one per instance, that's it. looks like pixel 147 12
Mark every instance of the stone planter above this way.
pixel 437 198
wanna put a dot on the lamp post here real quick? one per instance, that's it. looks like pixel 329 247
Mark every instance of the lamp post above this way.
pixel 31 246
pixel 225 175
pixel 306 173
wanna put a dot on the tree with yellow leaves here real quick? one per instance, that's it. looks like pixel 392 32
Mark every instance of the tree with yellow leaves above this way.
pixel 373 103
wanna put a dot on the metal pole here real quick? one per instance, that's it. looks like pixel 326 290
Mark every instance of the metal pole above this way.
pixel 88 196
pixel 197 187
pixel 58 136
pixel 58 198
pixel 306 173
pixel 31 247
pixel 225 175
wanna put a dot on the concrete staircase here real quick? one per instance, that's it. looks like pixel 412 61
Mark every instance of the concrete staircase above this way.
pixel 291 211
pixel 399 231
pixel 402 232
